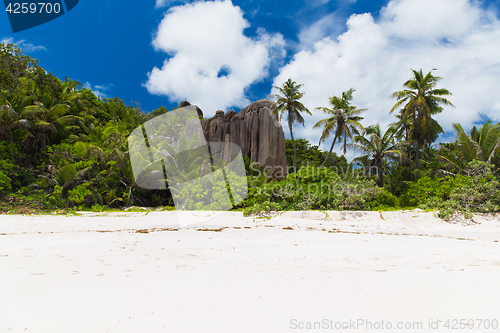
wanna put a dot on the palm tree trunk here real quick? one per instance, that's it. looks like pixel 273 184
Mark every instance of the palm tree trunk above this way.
pixel 418 143
pixel 417 158
pixel 345 143
pixel 380 180
pixel 294 151
pixel 329 152
pixel 408 151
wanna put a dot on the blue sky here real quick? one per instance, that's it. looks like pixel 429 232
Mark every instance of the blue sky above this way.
pixel 223 55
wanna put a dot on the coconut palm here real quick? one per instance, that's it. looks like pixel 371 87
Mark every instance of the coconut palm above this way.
pixel 343 121
pixel 288 103
pixel 10 119
pixel 378 148
pixel 404 131
pixel 420 101
pixel 488 139
pixel 45 117
pixel 482 144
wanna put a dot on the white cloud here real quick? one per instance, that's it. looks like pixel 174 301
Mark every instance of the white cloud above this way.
pixel 430 18
pixel 98 90
pixel 26 47
pixel 165 3
pixel 202 39
pixel 329 25
pixel 160 3
pixel 455 36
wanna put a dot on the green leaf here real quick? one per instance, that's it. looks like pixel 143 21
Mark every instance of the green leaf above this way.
pixel 80 149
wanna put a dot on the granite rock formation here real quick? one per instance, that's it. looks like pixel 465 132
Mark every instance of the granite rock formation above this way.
pixel 186 103
pixel 256 130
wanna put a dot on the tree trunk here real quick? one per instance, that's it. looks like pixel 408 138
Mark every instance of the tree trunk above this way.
pixel 408 152
pixel 345 142
pixel 294 151
pixel 380 180
pixel 418 143
pixel 329 152
pixel 417 158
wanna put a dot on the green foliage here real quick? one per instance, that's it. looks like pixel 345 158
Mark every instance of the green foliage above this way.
pixel 380 149
pixel 397 179
pixel 481 193
pixel 478 190
pixel 419 101
pixel 482 144
pixel 309 155
pixel 430 190
pixel 312 188
pixel 384 201
pixel 10 155
pixel 80 149
pixel 343 121
pixel 14 65
pixel 288 104
pixel 55 198
pixel 262 208
pixel 5 183
pixel 82 194
pixel 63 147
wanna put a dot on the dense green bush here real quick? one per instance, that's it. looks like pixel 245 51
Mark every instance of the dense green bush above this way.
pixel 476 191
pixel 4 183
pixel 427 192
pixel 315 188
pixel 397 179
pixel 81 195
pixel 311 155
pixel 384 200
pixel 481 193
pixel 55 199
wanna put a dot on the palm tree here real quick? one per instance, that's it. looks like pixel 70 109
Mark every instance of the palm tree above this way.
pixel 10 119
pixel 488 139
pixel 44 119
pixel 482 144
pixel 404 131
pixel 378 148
pixel 288 103
pixel 421 100
pixel 343 121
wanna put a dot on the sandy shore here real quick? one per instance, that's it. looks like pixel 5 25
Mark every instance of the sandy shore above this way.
pixel 138 272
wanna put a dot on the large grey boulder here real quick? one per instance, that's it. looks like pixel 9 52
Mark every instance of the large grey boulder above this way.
pixel 255 129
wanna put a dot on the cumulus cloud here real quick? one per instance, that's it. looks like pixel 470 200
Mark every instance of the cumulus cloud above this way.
pixel 375 57
pixel 211 61
pixel 320 29
pixel 26 47
pixel 430 18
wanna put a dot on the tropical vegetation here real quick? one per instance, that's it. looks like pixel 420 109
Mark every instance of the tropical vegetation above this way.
pixel 288 104
pixel 64 148
pixel 344 121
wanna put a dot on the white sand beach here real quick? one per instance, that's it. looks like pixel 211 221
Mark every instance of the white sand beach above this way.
pixel 135 272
